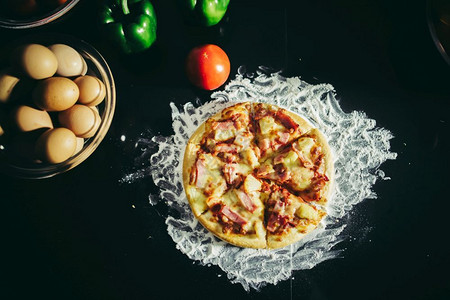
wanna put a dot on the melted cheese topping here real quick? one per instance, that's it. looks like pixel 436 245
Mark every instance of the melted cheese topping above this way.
pixel 231 200
pixel 252 184
pixel 306 211
pixel 244 169
pixel 213 166
pixel 199 199
pixel 223 135
pixel 303 178
pixel 268 125
pixel 250 157
pixel 290 161
pixel 305 147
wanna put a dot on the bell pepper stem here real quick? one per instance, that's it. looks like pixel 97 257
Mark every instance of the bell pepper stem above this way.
pixel 125 8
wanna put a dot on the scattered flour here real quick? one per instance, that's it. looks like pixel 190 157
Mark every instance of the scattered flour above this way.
pixel 359 148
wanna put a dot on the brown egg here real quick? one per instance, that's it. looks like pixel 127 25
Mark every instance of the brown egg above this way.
pixel 92 90
pixel 85 68
pixel 55 94
pixel 98 120
pixel 3 121
pixel 80 145
pixel 70 62
pixel 8 83
pixel 36 61
pixel 95 108
pixel 81 119
pixel 29 119
pixel 56 145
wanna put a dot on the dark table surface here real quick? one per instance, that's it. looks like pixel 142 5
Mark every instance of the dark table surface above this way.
pixel 84 235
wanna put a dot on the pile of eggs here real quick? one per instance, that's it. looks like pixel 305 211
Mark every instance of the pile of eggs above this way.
pixel 49 103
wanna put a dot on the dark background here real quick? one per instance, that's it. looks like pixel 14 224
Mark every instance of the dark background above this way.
pixel 78 236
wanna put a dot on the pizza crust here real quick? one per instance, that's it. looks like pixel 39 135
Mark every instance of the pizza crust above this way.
pixel 255 240
pixel 275 241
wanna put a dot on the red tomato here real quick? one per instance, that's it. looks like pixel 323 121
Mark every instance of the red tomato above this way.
pixel 207 66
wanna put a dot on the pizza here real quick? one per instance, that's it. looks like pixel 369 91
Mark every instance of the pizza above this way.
pixel 257 175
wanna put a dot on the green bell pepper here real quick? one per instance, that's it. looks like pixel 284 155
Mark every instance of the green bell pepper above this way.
pixel 131 24
pixel 206 12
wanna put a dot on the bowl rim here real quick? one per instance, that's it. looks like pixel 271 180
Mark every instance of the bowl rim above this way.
pixel 38 20
pixel 431 21
pixel 103 70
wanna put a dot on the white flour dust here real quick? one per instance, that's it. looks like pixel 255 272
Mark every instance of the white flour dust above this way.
pixel 358 146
